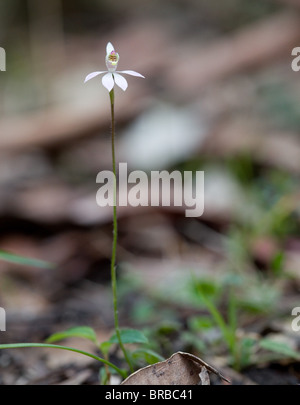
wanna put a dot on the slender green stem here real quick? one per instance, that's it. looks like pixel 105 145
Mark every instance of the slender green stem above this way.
pixel 115 233
pixel 71 349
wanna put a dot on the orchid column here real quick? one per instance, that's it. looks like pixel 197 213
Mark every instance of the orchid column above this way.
pixel 111 77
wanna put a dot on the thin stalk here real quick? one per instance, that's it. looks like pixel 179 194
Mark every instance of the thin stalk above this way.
pixel 115 234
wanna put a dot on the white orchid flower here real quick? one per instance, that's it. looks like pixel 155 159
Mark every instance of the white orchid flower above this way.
pixel 113 76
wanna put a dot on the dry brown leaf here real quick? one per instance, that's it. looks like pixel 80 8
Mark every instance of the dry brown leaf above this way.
pixel 180 369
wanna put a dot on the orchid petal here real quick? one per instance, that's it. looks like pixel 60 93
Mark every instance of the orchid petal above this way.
pixel 132 73
pixel 120 81
pixel 108 81
pixel 109 48
pixel 91 75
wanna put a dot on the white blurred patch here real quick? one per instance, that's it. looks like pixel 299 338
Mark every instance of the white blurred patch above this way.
pixel 162 136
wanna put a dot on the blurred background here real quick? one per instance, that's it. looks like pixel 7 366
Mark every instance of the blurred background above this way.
pixel 219 96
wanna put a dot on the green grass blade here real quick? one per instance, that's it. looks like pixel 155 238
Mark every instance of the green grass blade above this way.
pixel 232 319
pixel 71 349
pixel 216 314
pixel 27 261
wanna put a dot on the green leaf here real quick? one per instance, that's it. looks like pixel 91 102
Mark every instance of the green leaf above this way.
pixel 279 347
pixel 129 336
pixel 277 263
pixel 84 332
pixel 150 356
pixel 198 323
pixel 207 287
pixel 104 347
pixel 167 327
pixel 26 261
